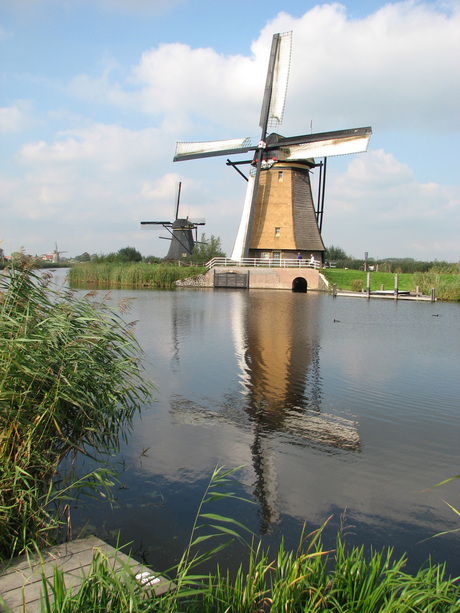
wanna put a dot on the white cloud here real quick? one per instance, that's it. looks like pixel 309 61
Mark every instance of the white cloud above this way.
pixel 17 118
pixel 397 68
pixel 379 202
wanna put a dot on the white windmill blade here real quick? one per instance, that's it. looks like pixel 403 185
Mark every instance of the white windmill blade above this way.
pixel 277 81
pixel 187 151
pixel 238 248
pixel 328 148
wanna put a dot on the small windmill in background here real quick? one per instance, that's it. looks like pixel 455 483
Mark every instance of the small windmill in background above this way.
pixel 53 256
pixel 181 230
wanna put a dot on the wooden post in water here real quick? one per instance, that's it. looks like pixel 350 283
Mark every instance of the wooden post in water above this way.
pixel 396 285
pixel 417 290
pixel 334 290
pixel 433 299
pixel 368 285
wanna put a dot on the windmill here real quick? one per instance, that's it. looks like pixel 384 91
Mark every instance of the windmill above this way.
pixel 279 216
pixel 53 256
pixel 181 230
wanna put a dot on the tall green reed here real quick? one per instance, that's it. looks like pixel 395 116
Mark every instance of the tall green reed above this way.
pixel 70 381
pixel 310 580
pixel 133 275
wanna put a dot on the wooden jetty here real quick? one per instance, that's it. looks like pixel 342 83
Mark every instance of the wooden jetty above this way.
pixel 21 582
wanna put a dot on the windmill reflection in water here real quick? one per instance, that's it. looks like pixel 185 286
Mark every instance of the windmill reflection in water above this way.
pixel 280 399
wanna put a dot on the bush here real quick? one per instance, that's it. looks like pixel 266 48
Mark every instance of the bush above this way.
pixel 356 285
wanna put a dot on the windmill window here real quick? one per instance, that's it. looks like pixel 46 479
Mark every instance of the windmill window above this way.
pixel 280 175
pixel 277 231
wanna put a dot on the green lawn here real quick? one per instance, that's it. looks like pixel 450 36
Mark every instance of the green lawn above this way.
pixel 447 286
pixel 343 279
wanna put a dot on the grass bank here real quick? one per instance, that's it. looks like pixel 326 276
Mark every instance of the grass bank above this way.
pixel 131 275
pixel 447 285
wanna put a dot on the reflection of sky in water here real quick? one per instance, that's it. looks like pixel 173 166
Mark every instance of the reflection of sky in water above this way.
pixel 359 414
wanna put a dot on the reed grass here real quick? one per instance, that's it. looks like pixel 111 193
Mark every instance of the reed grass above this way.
pixel 130 275
pixel 70 381
pixel 310 579
pixel 447 285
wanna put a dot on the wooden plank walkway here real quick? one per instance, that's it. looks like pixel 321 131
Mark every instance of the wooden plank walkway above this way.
pixel 21 582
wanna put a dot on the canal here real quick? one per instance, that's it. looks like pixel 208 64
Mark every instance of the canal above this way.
pixel 336 408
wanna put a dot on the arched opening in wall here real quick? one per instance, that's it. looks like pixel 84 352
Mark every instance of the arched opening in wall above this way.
pixel 299 284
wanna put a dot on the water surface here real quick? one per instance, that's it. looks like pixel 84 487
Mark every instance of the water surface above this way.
pixel 335 406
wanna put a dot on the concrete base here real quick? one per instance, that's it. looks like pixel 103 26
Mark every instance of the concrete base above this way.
pixel 261 277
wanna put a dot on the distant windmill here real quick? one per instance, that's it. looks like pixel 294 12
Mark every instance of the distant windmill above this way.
pixel 279 217
pixel 55 255
pixel 181 230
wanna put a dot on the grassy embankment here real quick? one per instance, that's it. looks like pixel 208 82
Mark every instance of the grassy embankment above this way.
pixel 446 284
pixel 131 275
pixel 70 380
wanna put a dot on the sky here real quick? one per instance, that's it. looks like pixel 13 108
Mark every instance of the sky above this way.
pixel 94 95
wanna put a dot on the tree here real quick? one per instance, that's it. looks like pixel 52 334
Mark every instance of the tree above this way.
pixel 335 253
pixel 207 249
pixel 128 254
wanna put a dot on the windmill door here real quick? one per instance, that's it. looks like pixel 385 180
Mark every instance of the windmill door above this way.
pixel 276 258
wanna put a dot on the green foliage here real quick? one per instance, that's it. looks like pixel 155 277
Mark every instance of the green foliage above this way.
pixel 138 274
pixel 207 249
pixel 128 254
pixel 447 286
pixel 310 579
pixel 344 279
pixel 70 380
pixel 333 253
pixel 84 257
pixel 356 285
pixel 124 255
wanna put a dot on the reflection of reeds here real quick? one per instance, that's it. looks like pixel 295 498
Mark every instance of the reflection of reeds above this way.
pixel 131 275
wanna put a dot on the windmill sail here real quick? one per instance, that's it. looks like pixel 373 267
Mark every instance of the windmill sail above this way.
pixel 190 151
pixel 328 148
pixel 181 231
pixel 243 227
pixel 277 82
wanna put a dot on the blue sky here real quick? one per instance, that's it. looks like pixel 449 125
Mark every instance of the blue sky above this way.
pixel 94 95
